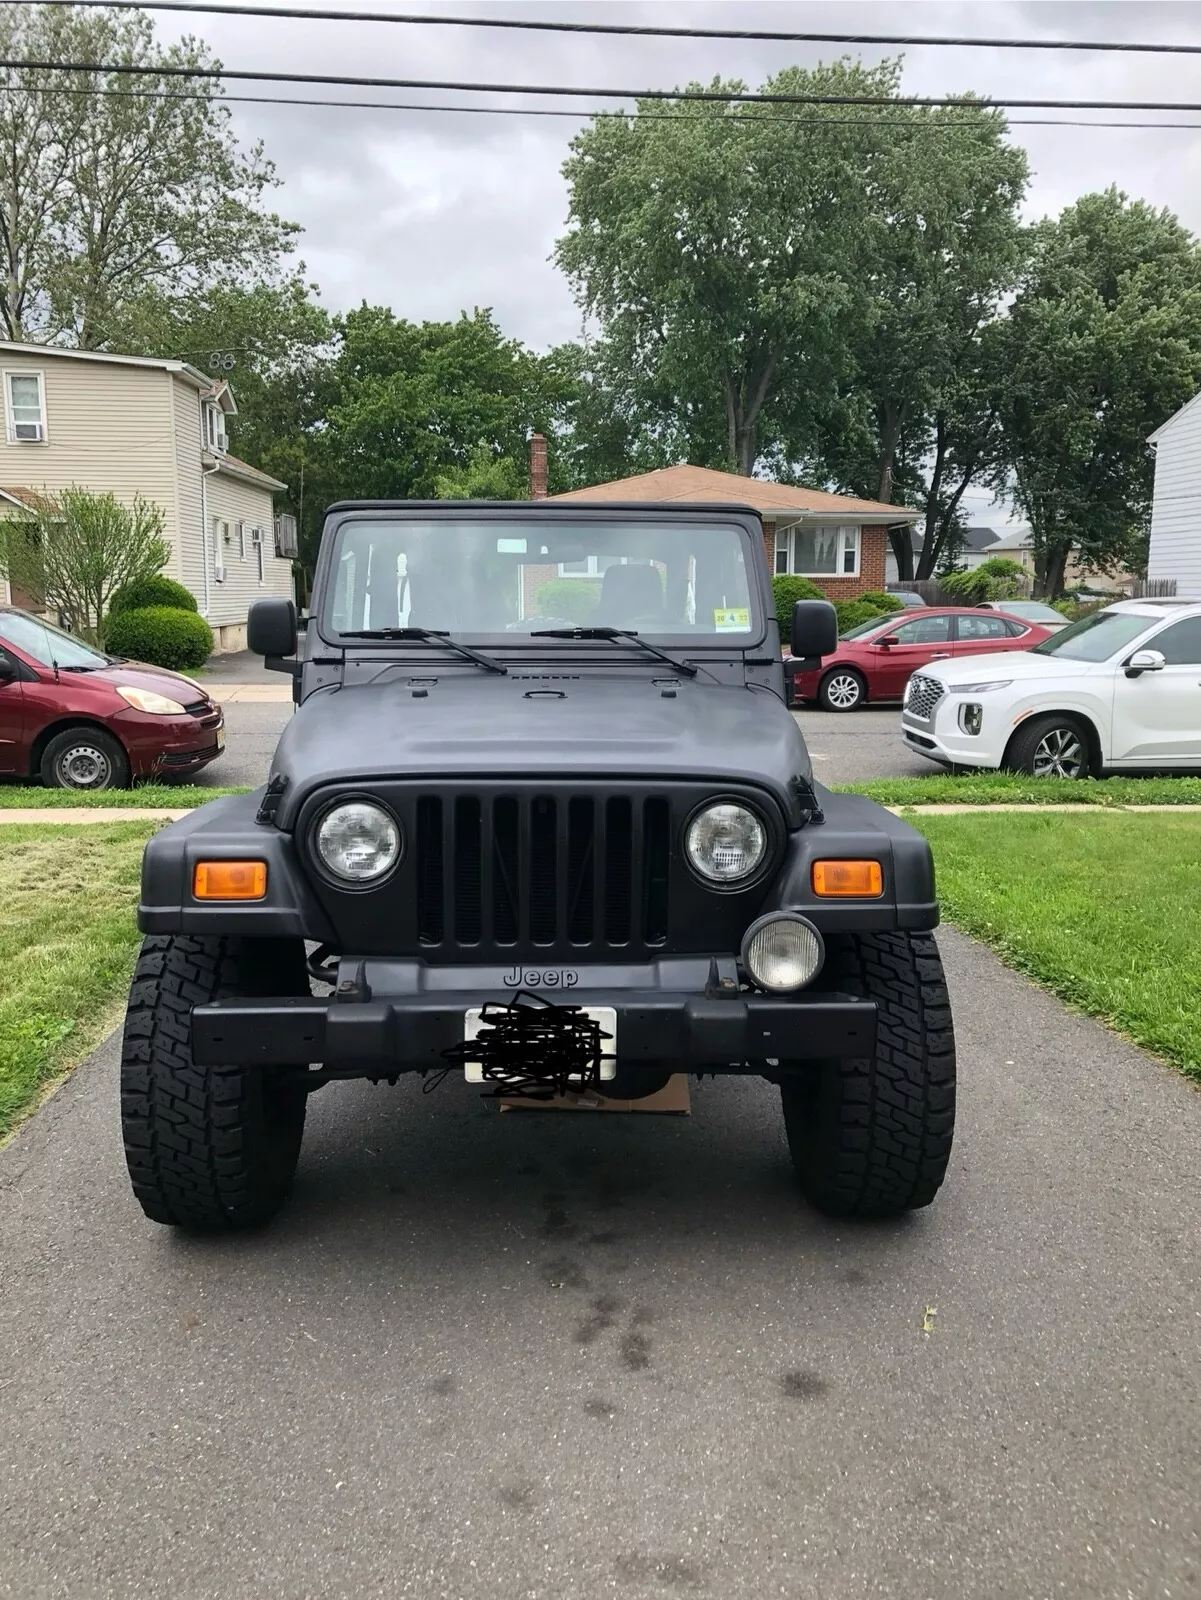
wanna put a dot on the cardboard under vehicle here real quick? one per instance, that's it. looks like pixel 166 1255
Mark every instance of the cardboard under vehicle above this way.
pixel 671 1100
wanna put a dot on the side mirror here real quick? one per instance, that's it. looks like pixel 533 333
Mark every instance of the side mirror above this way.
pixel 814 631
pixel 8 671
pixel 271 628
pixel 1145 661
pixel 888 640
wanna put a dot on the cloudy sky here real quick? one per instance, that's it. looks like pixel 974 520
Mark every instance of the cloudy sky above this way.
pixel 432 212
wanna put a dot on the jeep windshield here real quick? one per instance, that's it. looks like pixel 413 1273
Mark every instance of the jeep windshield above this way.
pixel 495 577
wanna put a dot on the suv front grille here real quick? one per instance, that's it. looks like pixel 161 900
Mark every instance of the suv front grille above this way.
pixel 542 870
pixel 923 696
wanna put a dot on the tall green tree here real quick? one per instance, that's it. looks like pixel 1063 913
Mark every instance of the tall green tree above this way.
pixel 942 247
pixel 108 197
pixel 1102 344
pixel 722 249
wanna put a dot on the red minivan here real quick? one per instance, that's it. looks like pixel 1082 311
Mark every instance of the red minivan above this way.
pixel 873 661
pixel 79 719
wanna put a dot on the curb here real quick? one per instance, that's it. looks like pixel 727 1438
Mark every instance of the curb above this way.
pixel 242 694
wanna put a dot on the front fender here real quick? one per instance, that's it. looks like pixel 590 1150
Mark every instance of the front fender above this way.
pixel 857 828
pixel 227 830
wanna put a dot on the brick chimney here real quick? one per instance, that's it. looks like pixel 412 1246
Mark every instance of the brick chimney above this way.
pixel 537 466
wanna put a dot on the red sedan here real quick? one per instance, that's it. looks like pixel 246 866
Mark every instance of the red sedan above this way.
pixel 874 660
pixel 79 719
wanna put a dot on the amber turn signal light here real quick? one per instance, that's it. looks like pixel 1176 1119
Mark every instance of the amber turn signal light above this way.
pixel 848 880
pixel 229 880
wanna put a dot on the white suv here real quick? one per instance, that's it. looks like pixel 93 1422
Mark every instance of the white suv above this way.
pixel 1118 691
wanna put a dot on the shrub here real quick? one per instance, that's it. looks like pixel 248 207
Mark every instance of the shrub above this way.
pixel 998 578
pixel 864 609
pixel 882 603
pixel 575 599
pixel 155 591
pixel 787 591
pixel 161 636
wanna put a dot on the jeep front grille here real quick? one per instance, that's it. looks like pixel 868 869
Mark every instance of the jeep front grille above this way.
pixel 923 696
pixel 542 870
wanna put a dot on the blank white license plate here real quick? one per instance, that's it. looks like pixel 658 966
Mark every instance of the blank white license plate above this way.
pixel 605 1018
pixel 220 738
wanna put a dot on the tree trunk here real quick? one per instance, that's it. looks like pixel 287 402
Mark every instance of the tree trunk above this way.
pixel 901 541
pixel 1050 564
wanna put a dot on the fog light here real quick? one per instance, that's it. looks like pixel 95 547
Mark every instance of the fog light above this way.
pixel 782 952
pixel 971 715
pixel 229 880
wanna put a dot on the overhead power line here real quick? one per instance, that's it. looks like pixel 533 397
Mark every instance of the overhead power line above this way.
pixel 897 123
pixel 634 30
pixel 569 91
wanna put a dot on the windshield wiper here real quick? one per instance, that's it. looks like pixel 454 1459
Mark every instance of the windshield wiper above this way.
pixel 616 633
pixel 430 636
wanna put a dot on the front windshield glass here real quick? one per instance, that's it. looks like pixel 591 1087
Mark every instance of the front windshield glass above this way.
pixel 48 646
pixel 490 576
pixel 1096 637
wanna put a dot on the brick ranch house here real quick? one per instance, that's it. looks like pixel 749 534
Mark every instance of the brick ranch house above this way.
pixel 838 541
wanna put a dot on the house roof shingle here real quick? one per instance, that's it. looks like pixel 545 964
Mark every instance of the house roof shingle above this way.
pixel 243 469
pixel 704 485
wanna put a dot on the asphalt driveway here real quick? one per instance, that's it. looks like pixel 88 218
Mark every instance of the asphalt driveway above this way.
pixel 558 1357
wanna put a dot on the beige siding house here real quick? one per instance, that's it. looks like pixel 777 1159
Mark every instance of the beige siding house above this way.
pixel 159 429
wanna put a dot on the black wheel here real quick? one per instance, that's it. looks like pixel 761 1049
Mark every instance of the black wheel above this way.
pixel 872 1138
pixel 843 689
pixel 1055 746
pixel 211 1148
pixel 84 758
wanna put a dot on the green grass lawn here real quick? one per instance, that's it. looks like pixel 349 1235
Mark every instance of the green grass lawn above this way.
pixel 1012 788
pixel 1103 910
pixel 177 796
pixel 67 947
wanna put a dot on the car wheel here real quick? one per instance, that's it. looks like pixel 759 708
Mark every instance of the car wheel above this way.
pixel 1050 747
pixel 208 1148
pixel 842 690
pixel 872 1137
pixel 84 758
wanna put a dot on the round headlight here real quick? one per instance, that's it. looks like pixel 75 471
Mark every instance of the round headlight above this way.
pixel 726 842
pixel 358 842
pixel 781 953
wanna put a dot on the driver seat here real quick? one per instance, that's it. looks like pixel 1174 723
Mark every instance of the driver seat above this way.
pixel 630 594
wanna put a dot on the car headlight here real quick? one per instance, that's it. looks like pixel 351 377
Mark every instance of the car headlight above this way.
pixel 156 705
pixel 726 842
pixel 981 688
pixel 359 842
pixel 782 952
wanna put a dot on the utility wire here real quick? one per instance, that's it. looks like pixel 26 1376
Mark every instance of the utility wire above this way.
pixel 719 96
pixel 898 123
pixel 629 30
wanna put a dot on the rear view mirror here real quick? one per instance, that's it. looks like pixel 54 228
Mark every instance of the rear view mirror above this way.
pixel 814 630
pixel 271 628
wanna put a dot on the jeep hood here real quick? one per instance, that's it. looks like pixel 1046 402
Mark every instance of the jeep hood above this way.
pixel 567 728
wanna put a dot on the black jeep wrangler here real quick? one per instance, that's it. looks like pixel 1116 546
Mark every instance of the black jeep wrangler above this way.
pixel 542 819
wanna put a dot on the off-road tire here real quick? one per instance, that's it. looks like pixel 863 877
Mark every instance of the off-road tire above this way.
pixel 208 1148
pixel 872 1138
pixel 1024 747
pixel 829 685
pixel 84 758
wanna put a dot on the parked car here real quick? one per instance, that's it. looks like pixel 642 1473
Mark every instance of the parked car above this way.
pixel 909 598
pixel 873 661
pixel 1118 691
pixel 1030 611
pixel 79 719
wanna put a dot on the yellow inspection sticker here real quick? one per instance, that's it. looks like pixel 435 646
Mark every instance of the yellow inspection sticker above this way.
pixel 738 621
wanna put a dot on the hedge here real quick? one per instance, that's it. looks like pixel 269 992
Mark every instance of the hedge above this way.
pixel 787 591
pixel 156 591
pixel 160 636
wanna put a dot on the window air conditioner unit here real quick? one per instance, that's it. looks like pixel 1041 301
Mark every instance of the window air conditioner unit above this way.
pixel 29 432
pixel 219 573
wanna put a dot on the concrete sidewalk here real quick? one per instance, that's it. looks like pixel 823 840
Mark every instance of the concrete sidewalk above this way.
pixel 251 693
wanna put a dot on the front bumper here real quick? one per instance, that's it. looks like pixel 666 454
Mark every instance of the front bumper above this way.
pixel 941 739
pixel 403 1017
pixel 170 746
